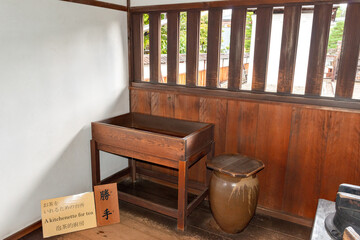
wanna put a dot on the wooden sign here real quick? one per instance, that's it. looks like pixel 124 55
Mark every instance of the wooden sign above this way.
pixel 68 214
pixel 107 204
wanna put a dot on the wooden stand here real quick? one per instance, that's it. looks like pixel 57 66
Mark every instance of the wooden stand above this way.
pixel 167 142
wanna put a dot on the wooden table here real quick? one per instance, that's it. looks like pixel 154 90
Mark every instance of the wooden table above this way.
pixel 168 142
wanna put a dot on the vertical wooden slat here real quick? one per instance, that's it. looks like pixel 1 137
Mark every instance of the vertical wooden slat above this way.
pixel 349 52
pixel 173 47
pixel 155 47
pixel 213 48
pixel 318 49
pixel 138 47
pixel 192 47
pixel 262 44
pixel 288 52
pixel 237 40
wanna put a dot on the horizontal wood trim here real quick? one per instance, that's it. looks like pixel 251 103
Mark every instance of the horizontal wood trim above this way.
pixel 229 4
pixel 321 102
pixel 116 176
pixel 168 178
pixel 197 201
pixel 99 4
pixel 138 155
pixel 147 204
pixel 284 216
pixel 25 231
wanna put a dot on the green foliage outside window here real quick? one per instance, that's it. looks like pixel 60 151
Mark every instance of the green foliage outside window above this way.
pixel 203 33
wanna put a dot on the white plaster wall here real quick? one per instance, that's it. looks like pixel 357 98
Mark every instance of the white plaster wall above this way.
pixel 62 66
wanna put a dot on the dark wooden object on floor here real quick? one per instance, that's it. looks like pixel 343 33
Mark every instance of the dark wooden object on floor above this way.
pixel 167 142
pixel 234 182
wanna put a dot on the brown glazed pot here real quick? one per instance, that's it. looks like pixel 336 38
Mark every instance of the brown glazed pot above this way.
pixel 233 200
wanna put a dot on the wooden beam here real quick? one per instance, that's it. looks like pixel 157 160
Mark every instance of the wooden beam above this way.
pixel 173 47
pixel 288 52
pixel 321 102
pixel 192 47
pixel 318 49
pixel 237 40
pixel 99 4
pixel 155 47
pixel 138 47
pixel 230 4
pixel 349 52
pixel 262 46
pixel 213 47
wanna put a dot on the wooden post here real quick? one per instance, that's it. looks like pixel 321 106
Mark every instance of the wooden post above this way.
pixel 95 163
pixel 182 195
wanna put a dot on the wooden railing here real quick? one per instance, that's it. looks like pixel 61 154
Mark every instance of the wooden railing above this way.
pixel 292 13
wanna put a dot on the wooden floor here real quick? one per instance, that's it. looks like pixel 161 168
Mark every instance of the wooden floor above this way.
pixel 139 223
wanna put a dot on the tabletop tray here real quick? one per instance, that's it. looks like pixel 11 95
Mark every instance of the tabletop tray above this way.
pixel 161 137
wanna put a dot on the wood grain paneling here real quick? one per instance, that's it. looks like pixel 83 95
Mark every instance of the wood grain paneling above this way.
pixel 192 47
pixel 213 48
pixel 138 47
pixel 237 40
pixel 318 49
pixel 241 127
pixel 262 46
pixel 163 104
pixel 288 52
pixel 342 163
pixel 141 101
pixel 349 52
pixel 187 108
pixel 272 142
pixel 173 47
pixel 214 111
pixel 306 155
pixel 307 151
pixel 155 47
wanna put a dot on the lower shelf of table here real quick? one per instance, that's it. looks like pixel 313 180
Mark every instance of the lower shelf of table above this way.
pixel 155 196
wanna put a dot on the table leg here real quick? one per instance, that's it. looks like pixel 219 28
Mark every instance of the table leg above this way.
pixel 209 156
pixel 182 195
pixel 95 163
pixel 133 169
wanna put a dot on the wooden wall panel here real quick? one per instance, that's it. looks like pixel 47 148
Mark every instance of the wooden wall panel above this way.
pixel 306 154
pixel 272 142
pixel 140 101
pixel 342 156
pixel 307 151
pixel 163 104
pixel 214 111
pixel 241 127
pixel 187 108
